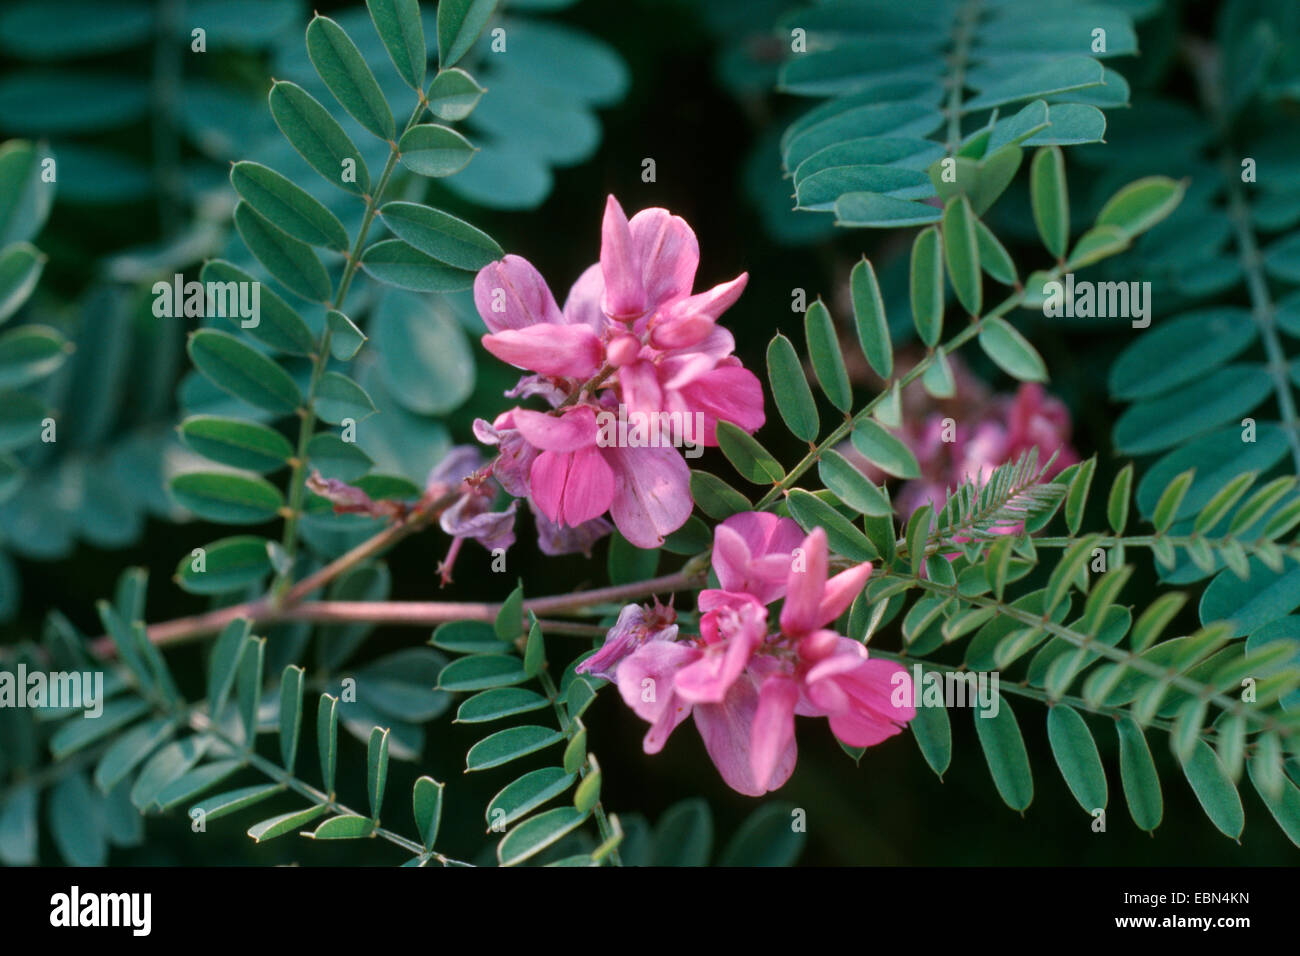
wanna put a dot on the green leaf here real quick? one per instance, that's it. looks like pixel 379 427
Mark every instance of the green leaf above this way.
pixel 961 250
pixel 1077 757
pixel 510 744
pixel 537 833
pixel 277 325
pixel 498 703
pixel 842 535
pixel 1004 750
pixel 869 315
pixel 228 565
pixel 1094 245
pixel 434 150
pixel 165 766
pixel 1141 204
pixel 885 451
pixel 933 732
pixel 426 799
pixel 396 263
pixel 293 263
pixel 230 801
pixel 318 137
pixel 240 444
pixel 927 285
pixel 82 731
pixel 767 838
pixel 194 782
pixel 715 497
pixel 790 388
pixel 30 353
pixel 343 68
pixel 399 27
pixel 459 24
pixel 481 672
pixel 873 210
pixel 1283 805
pixel 19 839
pixel 1076 493
pixel 73 824
pixel 227 498
pixel 1171 499
pixel 223 665
pixel 534 650
pixel 327 739
pixel 243 372
pixel 248 687
pixel 469 637
pixel 1117 504
pixel 575 752
pixel 994 258
pixel 345 338
pixel 376 769
pixel 25 200
pixel 1214 790
pixel 509 619
pixel 290 714
pixel 683 836
pixel 339 398
pixel 287 206
pixel 851 486
pixel 1045 78
pixel 336 458
pixel 20 269
pixel 827 359
pixel 1051 202
pixel 587 795
pixel 750 459
pixel 1011 351
pixel 348 826
pixel 440 235
pixel 527 793
pixel 129 750
pixel 453 94
pixel 285 823
pixel 1264 596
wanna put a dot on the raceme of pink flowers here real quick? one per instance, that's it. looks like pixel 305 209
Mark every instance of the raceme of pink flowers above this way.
pixel 632 333
pixel 750 671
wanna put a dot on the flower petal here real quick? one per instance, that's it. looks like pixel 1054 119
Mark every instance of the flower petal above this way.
pixel 668 254
pixel 652 497
pixel 773 730
pixel 551 349
pixel 589 489
pixel 511 294
pixel 620 265
pixel 575 429
pixel 805 585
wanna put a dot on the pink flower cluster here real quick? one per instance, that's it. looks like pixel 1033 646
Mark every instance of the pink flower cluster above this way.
pixel 745 677
pixel 991 432
pixel 631 334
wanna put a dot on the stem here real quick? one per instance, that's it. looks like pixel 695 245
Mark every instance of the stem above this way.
pixel 412 613
pixel 958 61
pixel 297 484
pixel 568 726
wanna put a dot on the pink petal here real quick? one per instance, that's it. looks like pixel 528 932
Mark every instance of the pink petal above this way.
pixel 652 497
pixel 582 307
pixel 709 678
pixel 648 673
pixel 589 489
pixel 668 254
pixel 575 429
pixel 568 350
pixel 773 730
pixel 731 557
pixel 841 590
pixel 546 480
pixel 804 588
pixel 620 265
pixel 713 302
pixel 640 384
pixel 727 730
pixel 728 393
pixel 511 294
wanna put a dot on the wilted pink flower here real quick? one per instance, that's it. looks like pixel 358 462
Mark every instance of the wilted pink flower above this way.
pixel 743 682
pixel 635 626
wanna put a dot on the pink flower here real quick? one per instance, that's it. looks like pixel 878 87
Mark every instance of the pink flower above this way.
pixel 632 336
pixel 744 683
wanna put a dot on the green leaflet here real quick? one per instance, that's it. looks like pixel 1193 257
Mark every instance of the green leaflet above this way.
pixel 344 70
